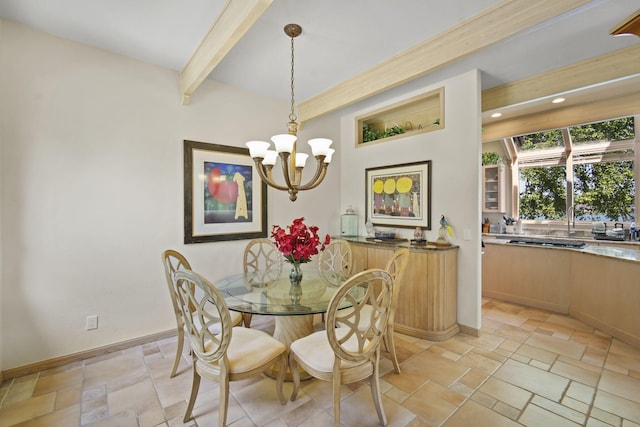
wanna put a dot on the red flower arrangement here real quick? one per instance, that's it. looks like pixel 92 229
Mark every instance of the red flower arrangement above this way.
pixel 299 242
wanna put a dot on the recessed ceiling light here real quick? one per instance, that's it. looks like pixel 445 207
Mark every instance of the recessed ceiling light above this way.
pixel 558 100
pixel 494 115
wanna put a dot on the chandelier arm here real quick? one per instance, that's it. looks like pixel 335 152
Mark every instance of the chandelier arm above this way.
pixel 284 160
pixel 298 177
pixel 321 171
pixel 272 182
pixel 267 177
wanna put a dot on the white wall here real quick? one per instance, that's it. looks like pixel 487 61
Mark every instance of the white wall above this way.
pixel 2 114
pixel 91 186
pixel 455 153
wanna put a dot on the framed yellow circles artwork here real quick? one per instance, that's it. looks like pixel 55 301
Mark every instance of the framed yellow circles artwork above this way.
pixel 399 195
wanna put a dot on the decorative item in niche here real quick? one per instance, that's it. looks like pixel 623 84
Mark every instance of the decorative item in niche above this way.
pixel 399 195
pixel 370 133
pixel 224 198
pixel 412 116
pixel 492 158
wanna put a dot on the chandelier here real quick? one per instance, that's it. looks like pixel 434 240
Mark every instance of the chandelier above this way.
pixel 285 147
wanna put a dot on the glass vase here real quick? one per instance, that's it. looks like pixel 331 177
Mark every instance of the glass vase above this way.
pixel 295 276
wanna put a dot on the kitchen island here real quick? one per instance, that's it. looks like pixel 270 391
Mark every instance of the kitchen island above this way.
pixel 597 284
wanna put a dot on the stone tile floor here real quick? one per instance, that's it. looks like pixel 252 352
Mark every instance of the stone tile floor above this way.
pixel 529 367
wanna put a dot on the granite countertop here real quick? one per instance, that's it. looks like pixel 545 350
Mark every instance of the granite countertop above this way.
pixel 630 252
pixel 398 243
pixel 579 238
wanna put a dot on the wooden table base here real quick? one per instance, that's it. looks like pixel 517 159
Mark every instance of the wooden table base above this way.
pixel 287 330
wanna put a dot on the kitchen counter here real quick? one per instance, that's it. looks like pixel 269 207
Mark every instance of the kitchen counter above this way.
pixel 629 254
pixel 596 284
pixel 623 250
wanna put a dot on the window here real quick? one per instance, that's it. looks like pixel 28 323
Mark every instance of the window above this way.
pixel 589 167
pixel 540 140
pixel 544 193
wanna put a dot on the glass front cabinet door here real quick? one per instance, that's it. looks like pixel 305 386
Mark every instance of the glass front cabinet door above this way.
pixel 493 189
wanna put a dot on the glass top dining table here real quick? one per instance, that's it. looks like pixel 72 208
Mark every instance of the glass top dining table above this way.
pixel 271 292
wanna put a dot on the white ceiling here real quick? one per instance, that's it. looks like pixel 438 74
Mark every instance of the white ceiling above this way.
pixel 340 38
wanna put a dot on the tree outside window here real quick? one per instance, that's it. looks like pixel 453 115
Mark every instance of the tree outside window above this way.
pixel 603 173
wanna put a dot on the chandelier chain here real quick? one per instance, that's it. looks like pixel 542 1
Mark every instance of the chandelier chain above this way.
pixel 292 116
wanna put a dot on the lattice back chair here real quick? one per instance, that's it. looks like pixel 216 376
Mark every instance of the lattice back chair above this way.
pixel 261 257
pixel 230 354
pixel 335 263
pixel 174 261
pixel 346 352
pixel 396 266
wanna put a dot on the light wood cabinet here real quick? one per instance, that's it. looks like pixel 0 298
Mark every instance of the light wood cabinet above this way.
pixel 600 290
pixel 527 275
pixel 605 293
pixel 493 189
pixel 427 303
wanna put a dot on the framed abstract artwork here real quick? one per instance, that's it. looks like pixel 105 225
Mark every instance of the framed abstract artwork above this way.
pixel 224 198
pixel 399 195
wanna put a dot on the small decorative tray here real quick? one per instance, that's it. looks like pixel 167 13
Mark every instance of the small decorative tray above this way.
pixel 381 235
pixel 427 243
pixel 440 244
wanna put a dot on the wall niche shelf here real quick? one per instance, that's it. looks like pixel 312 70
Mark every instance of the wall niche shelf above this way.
pixel 412 116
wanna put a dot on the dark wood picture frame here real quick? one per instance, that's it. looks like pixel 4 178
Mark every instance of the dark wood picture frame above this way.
pixel 399 195
pixel 224 198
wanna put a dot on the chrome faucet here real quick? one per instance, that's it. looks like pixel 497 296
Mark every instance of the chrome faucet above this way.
pixel 571 216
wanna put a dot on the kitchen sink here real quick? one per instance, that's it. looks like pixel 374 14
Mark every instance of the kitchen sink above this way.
pixel 558 243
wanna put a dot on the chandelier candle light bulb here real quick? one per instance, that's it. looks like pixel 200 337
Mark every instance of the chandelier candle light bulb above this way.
pixel 327 159
pixel 320 146
pixel 258 148
pixel 270 158
pixel 284 142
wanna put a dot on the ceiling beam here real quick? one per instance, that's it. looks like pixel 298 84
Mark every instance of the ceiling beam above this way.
pixel 491 26
pixel 604 109
pixel 234 21
pixel 630 26
pixel 612 66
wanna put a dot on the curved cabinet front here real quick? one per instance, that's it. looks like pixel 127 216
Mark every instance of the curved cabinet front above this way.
pixel 603 291
pixel 428 294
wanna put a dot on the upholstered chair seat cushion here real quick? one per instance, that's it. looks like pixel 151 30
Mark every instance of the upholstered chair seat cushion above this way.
pixel 313 350
pixel 249 348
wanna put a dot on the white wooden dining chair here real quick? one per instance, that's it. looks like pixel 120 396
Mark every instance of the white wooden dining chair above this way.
pixel 173 261
pixel 261 257
pixel 335 262
pixel 395 266
pixel 345 352
pixel 233 353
